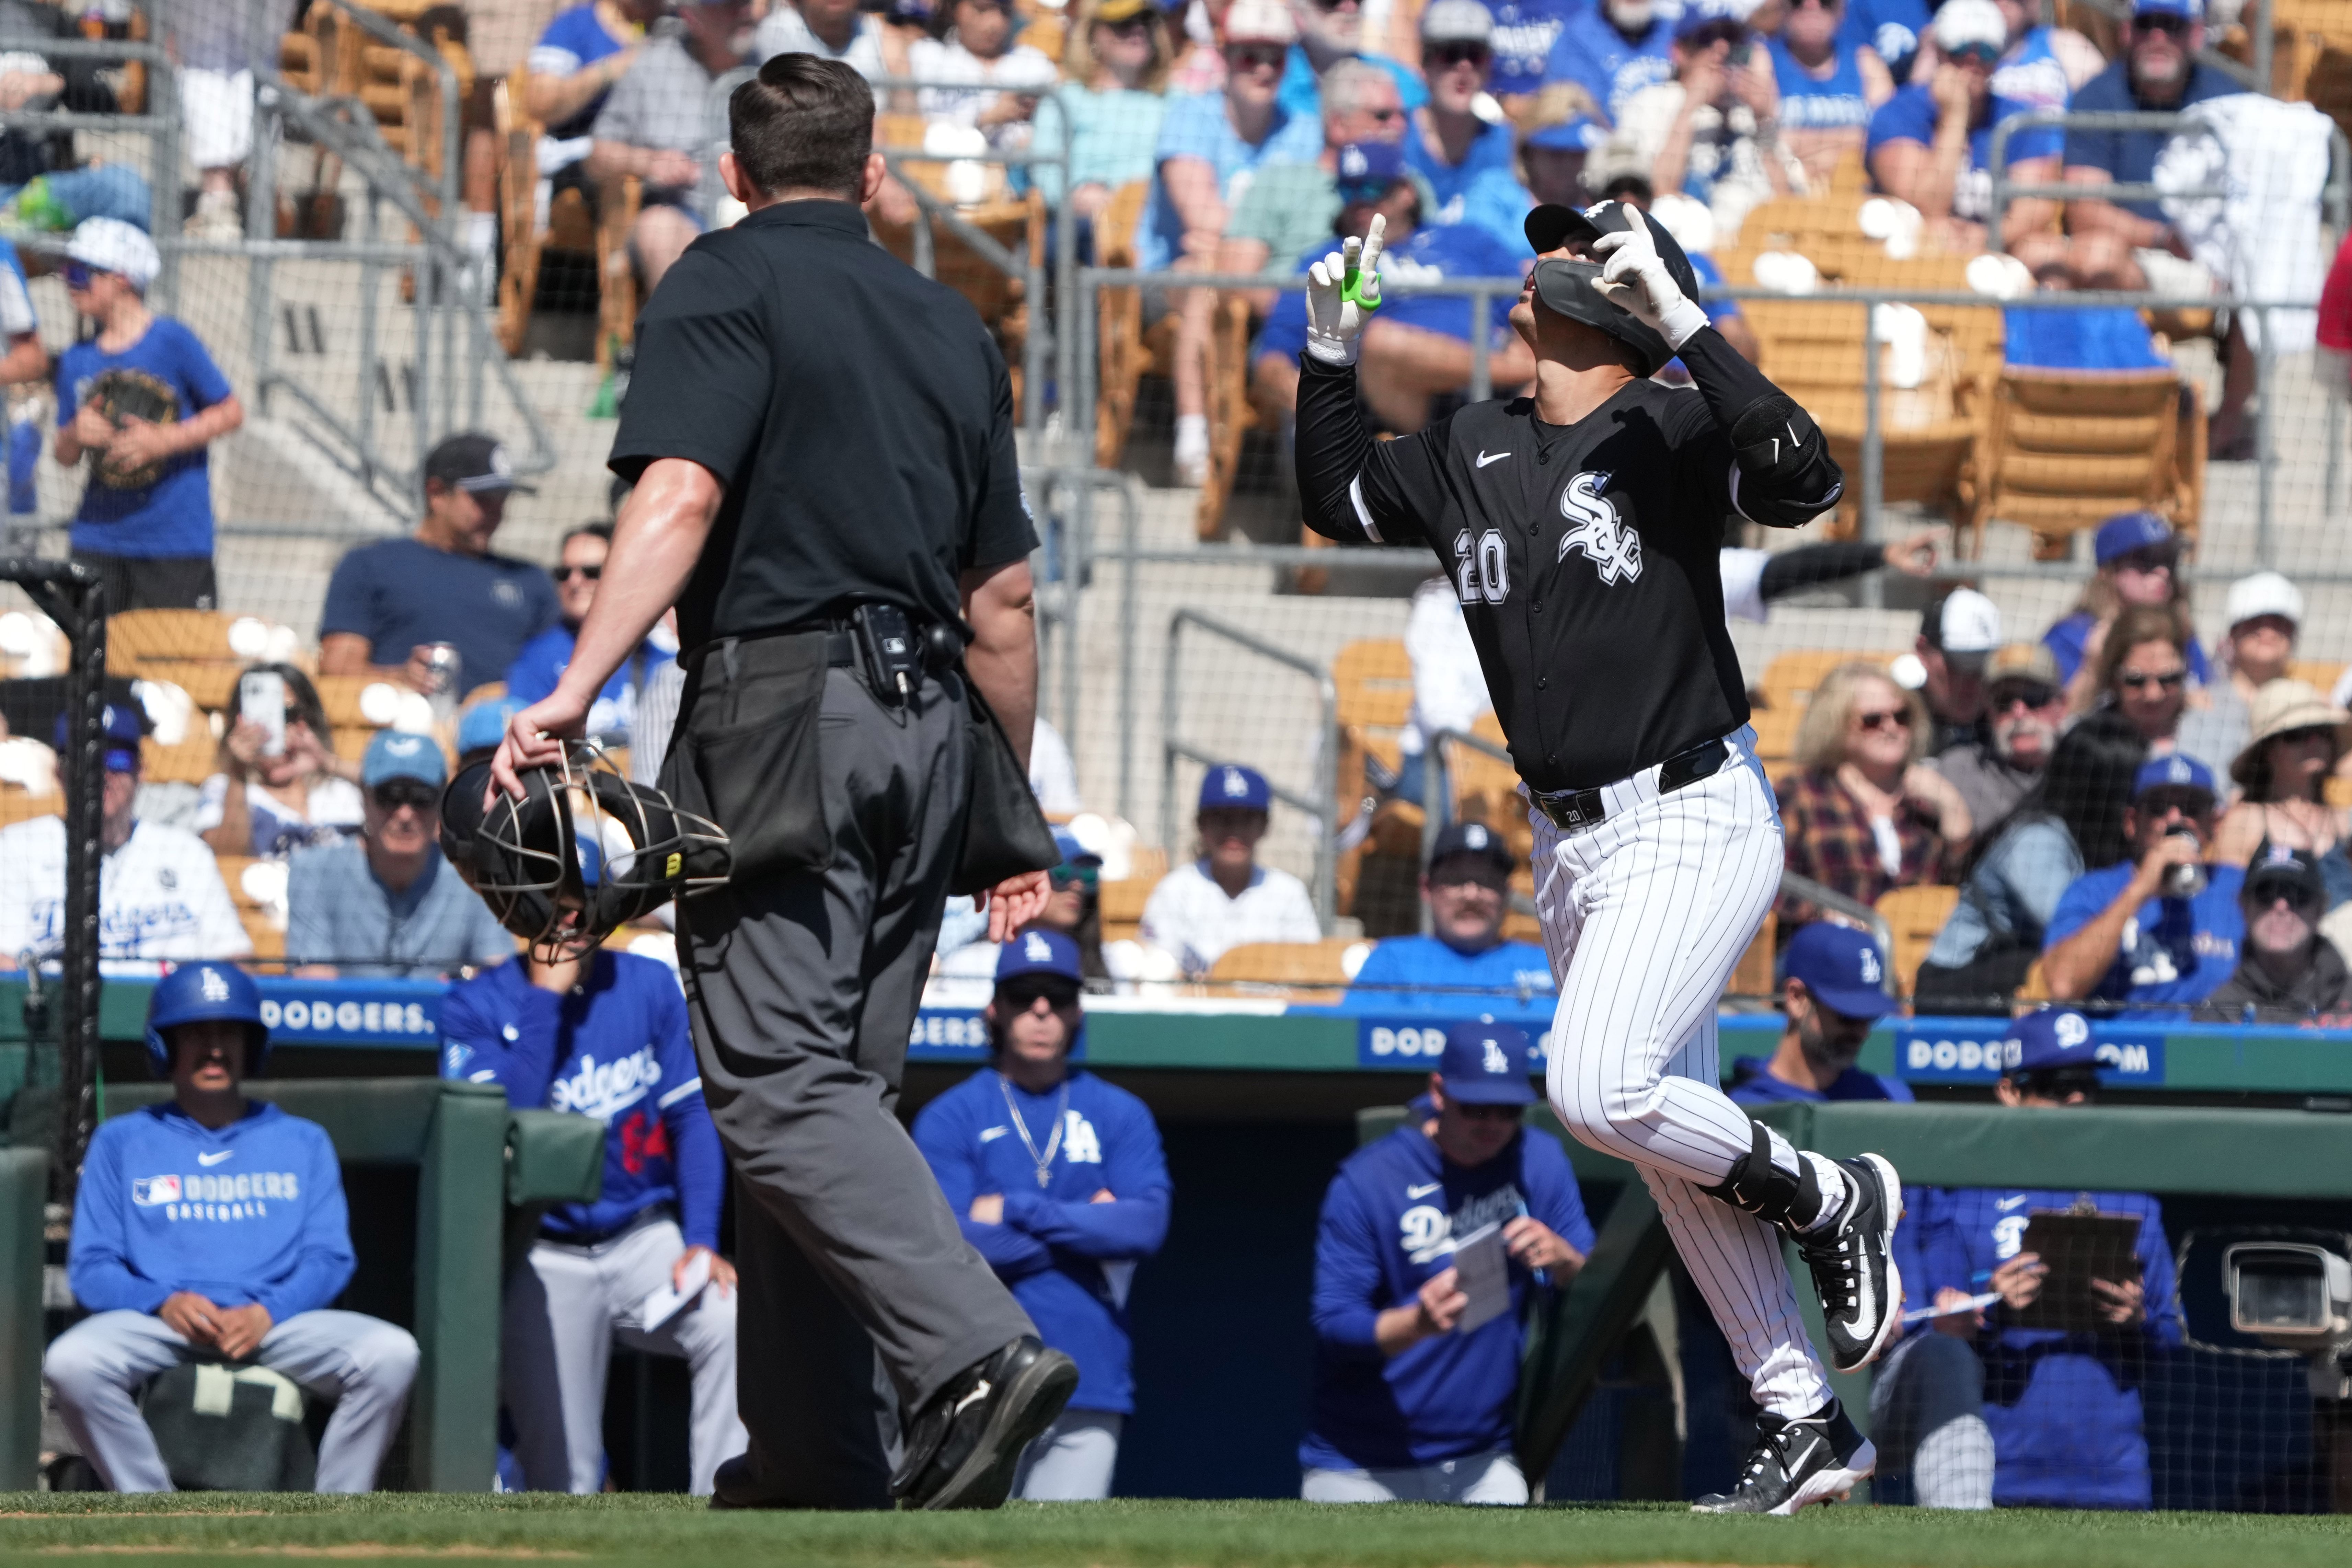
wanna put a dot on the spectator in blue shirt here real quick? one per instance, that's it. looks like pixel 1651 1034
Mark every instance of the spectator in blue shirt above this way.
pixel 1057 1179
pixel 1891 29
pixel 543 659
pixel 389 603
pixel 2159 933
pixel 20 327
pixel 1463 965
pixel 1979 1411
pixel 2138 557
pixel 1211 145
pixel 1833 992
pixel 1420 347
pixel 143 401
pixel 212 1227
pixel 1932 145
pixel 1554 154
pixel 574 65
pixel 1524 31
pixel 1415 1381
pixel 1614 49
pixel 1447 144
pixel 1331 31
pixel 1829 87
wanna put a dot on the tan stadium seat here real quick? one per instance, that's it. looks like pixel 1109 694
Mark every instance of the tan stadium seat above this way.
pixel 1124 349
pixel 2064 450
pixel 1917 914
pixel 1753 975
pixel 1121 903
pixel 1289 964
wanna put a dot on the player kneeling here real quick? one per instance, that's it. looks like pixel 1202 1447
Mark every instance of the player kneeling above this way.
pixel 212 1227
pixel 1433 1241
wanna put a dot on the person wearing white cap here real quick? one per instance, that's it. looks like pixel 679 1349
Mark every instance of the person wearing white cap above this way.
pixel 2265 615
pixel 1958 632
pixel 1931 143
pixel 142 400
pixel 1448 143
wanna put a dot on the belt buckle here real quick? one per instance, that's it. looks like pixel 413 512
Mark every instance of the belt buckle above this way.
pixel 1567 809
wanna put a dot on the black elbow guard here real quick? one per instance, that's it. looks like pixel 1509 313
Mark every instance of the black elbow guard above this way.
pixel 1786 476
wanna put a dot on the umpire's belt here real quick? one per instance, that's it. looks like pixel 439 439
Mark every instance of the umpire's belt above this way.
pixel 1574 810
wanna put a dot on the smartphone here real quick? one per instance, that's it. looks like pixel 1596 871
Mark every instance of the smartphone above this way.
pixel 1739 56
pixel 261 699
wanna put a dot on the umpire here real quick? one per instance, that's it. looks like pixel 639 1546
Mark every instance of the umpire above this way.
pixel 822 446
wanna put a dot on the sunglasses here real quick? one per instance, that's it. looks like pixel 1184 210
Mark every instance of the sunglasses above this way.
pixel 2147 561
pixel 1068 876
pixel 77 276
pixel 2159 803
pixel 565 574
pixel 2036 696
pixel 415 793
pixel 2320 734
pixel 1976 54
pixel 2300 898
pixel 1020 993
pixel 1830 6
pixel 1487 1112
pixel 1722 32
pixel 1128 27
pixel 2171 681
pixel 2162 22
pixel 1898 717
pixel 1443 55
pixel 1263 57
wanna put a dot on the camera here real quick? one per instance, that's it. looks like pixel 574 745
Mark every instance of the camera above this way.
pixel 2296 1296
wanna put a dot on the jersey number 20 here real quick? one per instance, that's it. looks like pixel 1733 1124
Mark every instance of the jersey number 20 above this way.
pixel 1484 567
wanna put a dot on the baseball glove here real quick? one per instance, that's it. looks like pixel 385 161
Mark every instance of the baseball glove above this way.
pixel 122 394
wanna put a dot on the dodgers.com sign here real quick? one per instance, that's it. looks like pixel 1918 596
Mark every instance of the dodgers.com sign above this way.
pixel 1968 1050
pixel 1418 1043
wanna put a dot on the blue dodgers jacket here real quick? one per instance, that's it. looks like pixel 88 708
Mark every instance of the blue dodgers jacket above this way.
pixel 252 1212
pixel 615 1047
pixel 1390 1222
pixel 1068 1259
pixel 2065 1409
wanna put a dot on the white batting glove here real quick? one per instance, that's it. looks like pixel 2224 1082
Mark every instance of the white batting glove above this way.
pixel 1634 278
pixel 1343 290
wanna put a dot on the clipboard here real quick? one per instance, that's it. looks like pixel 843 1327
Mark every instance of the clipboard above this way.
pixel 2077 1249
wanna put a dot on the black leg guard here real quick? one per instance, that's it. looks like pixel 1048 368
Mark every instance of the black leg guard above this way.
pixel 1757 1186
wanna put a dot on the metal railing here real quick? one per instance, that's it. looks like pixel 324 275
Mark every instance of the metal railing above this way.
pixel 1174 749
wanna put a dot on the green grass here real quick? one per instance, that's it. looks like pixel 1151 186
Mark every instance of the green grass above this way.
pixel 190 1529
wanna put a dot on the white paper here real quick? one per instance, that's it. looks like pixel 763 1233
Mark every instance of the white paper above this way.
pixel 1483 1273
pixel 667 1302
pixel 1973 1304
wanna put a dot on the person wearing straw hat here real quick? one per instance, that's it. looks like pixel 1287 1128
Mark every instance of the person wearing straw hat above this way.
pixel 2298 735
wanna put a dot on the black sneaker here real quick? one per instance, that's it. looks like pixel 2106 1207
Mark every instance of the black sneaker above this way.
pixel 964 1446
pixel 1853 1268
pixel 1795 1464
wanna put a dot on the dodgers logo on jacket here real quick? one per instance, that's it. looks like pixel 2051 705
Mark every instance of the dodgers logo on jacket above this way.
pixel 1614 550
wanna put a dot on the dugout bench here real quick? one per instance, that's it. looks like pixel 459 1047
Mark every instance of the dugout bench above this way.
pixel 483 1173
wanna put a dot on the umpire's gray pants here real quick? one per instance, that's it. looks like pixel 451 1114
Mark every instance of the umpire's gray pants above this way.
pixel 803 990
pixel 363 1363
pixel 565 1305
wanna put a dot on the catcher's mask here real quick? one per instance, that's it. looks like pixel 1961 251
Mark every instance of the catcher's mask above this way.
pixel 583 852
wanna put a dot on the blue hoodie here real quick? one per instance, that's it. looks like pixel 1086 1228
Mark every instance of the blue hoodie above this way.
pixel 252 1212
pixel 615 1048
pixel 1067 1258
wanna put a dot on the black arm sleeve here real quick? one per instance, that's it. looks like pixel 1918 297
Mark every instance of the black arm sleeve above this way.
pixel 1809 564
pixel 1785 475
pixel 1351 487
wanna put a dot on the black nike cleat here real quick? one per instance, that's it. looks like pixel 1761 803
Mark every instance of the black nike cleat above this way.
pixel 964 1446
pixel 1795 1464
pixel 1853 1268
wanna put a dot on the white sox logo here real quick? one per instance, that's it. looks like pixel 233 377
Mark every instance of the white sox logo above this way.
pixel 1599 532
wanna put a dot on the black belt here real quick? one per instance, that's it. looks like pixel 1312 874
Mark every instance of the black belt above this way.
pixel 1574 810
pixel 840 643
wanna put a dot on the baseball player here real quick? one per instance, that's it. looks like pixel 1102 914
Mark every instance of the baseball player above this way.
pixel 212 1227
pixel 1582 527
pixel 1058 1180
pixel 605 1036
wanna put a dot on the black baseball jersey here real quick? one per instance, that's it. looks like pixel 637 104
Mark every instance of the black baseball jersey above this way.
pixel 1585 555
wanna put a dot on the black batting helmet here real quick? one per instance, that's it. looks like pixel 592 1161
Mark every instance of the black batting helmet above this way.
pixel 583 852
pixel 1566 287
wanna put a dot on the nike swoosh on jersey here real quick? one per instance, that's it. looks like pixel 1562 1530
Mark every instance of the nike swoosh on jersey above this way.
pixel 991 1134
pixel 215 1159
pixel 2005 1205
pixel 1486 458
pixel 1423 1190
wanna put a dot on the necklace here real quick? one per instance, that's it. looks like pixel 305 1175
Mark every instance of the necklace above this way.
pixel 1044 1162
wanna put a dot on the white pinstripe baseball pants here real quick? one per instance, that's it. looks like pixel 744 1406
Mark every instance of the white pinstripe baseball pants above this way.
pixel 1645 916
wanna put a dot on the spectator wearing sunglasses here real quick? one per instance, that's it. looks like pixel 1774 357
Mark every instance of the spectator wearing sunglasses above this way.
pixel 543 659
pixel 1286 218
pixel 1931 143
pixel 1447 144
pixel 2283 768
pixel 389 907
pixel 1058 1180
pixel 1114 66
pixel 1072 909
pixel 2289 972
pixel 2071 818
pixel 2138 558
pixel 1833 991
pixel 1331 31
pixel 1713 132
pixel 1412 1403
pixel 390 602
pixel 1613 50
pixel 1830 86
pixel 2265 614
pixel 2159 931
pixel 1861 815
pixel 2023 709
pixel 144 402
pixel 2142 673
pixel 258 803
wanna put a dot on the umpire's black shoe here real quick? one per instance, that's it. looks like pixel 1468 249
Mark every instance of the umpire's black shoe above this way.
pixel 964 1445
pixel 1816 1459
pixel 1854 1266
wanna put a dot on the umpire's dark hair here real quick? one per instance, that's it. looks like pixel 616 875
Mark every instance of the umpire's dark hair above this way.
pixel 802 124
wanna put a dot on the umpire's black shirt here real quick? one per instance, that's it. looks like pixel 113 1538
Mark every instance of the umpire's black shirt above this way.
pixel 858 413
